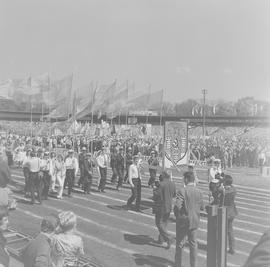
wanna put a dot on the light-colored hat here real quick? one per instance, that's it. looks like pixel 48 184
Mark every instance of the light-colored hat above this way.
pixel 71 151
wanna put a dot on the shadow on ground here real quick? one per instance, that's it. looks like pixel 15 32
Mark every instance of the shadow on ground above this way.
pixel 153 261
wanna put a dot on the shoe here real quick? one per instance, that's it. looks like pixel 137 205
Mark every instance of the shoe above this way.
pixel 58 197
pixel 138 210
pixel 103 191
pixel 231 251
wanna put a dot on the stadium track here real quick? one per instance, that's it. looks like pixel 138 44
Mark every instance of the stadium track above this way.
pixel 119 237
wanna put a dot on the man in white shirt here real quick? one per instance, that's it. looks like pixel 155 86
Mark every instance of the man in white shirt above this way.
pixel 35 181
pixel 102 162
pixel 72 166
pixel 134 179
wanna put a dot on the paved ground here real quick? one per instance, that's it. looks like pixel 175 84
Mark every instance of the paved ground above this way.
pixel 125 238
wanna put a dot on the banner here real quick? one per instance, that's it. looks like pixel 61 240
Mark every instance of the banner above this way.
pixel 175 143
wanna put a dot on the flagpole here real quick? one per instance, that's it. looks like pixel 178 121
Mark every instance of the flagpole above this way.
pixel 92 118
pixel 149 90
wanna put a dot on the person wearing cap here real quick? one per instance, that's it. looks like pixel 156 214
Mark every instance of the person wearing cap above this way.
pixel 120 166
pixel 134 179
pixel 153 164
pixel 45 169
pixel 128 162
pixel 163 195
pixel 72 167
pixel 88 173
pixel 82 157
pixel 102 162
pixel 37 253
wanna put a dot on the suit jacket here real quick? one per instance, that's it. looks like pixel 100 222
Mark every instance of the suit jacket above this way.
pixel 194 202
pixel 37 252
pixel 163 196
pixel 230 193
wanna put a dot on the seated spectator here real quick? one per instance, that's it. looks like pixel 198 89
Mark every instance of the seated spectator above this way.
pixel 66 246
pixel 4 256
pixel 37 252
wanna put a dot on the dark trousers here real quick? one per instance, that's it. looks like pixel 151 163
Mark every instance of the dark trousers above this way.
pixel 46 184
pixel 181 234
pixel 161 221
pixel 70 177
pixel 120 173
pixel 153 174
pixel 136 193
pixel 81 175
pixel 103 177
pixel 114 174
pixel 87 183
pixel 231 234
pixel 126 175
pixel 26 174
pixel 36 185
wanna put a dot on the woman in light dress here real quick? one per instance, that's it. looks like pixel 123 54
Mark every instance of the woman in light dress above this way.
pixel 60 174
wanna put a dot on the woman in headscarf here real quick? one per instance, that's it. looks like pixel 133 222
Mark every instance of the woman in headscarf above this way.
pixel 66 246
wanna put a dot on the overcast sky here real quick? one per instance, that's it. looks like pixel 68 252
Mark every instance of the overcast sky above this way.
pixel 180 46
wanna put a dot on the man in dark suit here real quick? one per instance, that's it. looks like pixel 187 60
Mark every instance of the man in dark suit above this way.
pixel 163 196
pixel 229 202
pixel 37 252
pixel 189 202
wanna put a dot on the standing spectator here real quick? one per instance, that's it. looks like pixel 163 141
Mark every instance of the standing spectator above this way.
pixel 134 179
pixel 229 202
pixel 37 252
pixel 189 202
pixel 53 171
pixel 163 196
pixel 4 256
pixel 102 161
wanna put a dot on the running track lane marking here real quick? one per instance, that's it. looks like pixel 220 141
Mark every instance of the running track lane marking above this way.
pixel 128 251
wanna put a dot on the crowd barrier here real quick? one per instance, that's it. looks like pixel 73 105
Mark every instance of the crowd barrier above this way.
pixel 16 242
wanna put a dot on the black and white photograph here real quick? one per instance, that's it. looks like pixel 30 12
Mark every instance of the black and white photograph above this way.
pixel 134 133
